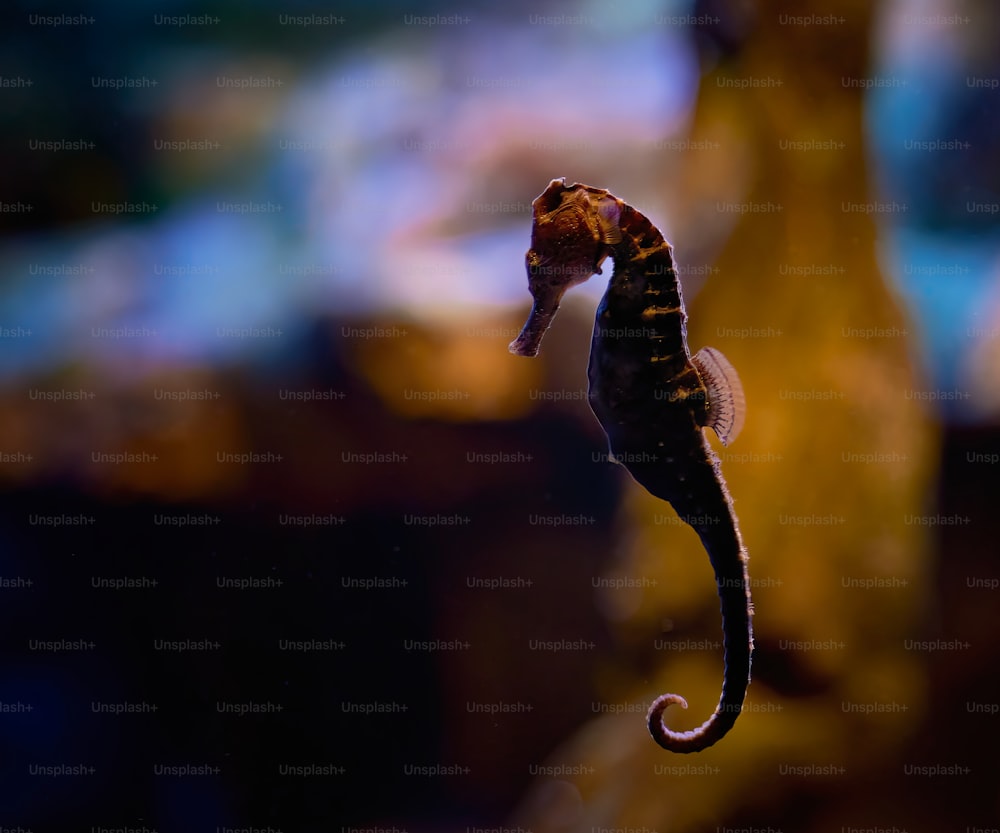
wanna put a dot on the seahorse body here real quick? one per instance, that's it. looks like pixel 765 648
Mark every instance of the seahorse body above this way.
pixel 653 399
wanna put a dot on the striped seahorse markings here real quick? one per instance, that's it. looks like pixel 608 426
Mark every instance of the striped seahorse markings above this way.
pixel 653 399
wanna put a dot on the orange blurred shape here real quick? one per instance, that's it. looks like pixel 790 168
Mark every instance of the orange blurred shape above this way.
pixel 458 370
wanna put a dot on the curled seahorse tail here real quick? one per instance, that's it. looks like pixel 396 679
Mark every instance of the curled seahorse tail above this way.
pixel 737 631
pixel 710 732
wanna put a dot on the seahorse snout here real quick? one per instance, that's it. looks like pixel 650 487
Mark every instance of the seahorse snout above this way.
pixel 548 283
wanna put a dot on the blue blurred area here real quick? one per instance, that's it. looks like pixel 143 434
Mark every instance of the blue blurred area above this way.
pixel 181 279
pixel 392 173
pixel 934 121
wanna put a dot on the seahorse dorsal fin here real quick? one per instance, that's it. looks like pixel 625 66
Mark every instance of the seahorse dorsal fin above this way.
pixel 726 403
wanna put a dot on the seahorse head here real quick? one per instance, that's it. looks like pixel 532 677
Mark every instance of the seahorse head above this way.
pixel 572 233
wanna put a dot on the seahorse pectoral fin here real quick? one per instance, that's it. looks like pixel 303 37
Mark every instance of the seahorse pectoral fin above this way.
pixel 726 402
pixel 609 213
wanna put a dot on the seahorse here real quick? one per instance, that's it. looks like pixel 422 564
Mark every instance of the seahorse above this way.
pixel 653 400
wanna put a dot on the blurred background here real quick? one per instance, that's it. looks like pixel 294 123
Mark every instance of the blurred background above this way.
pixel 289 540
